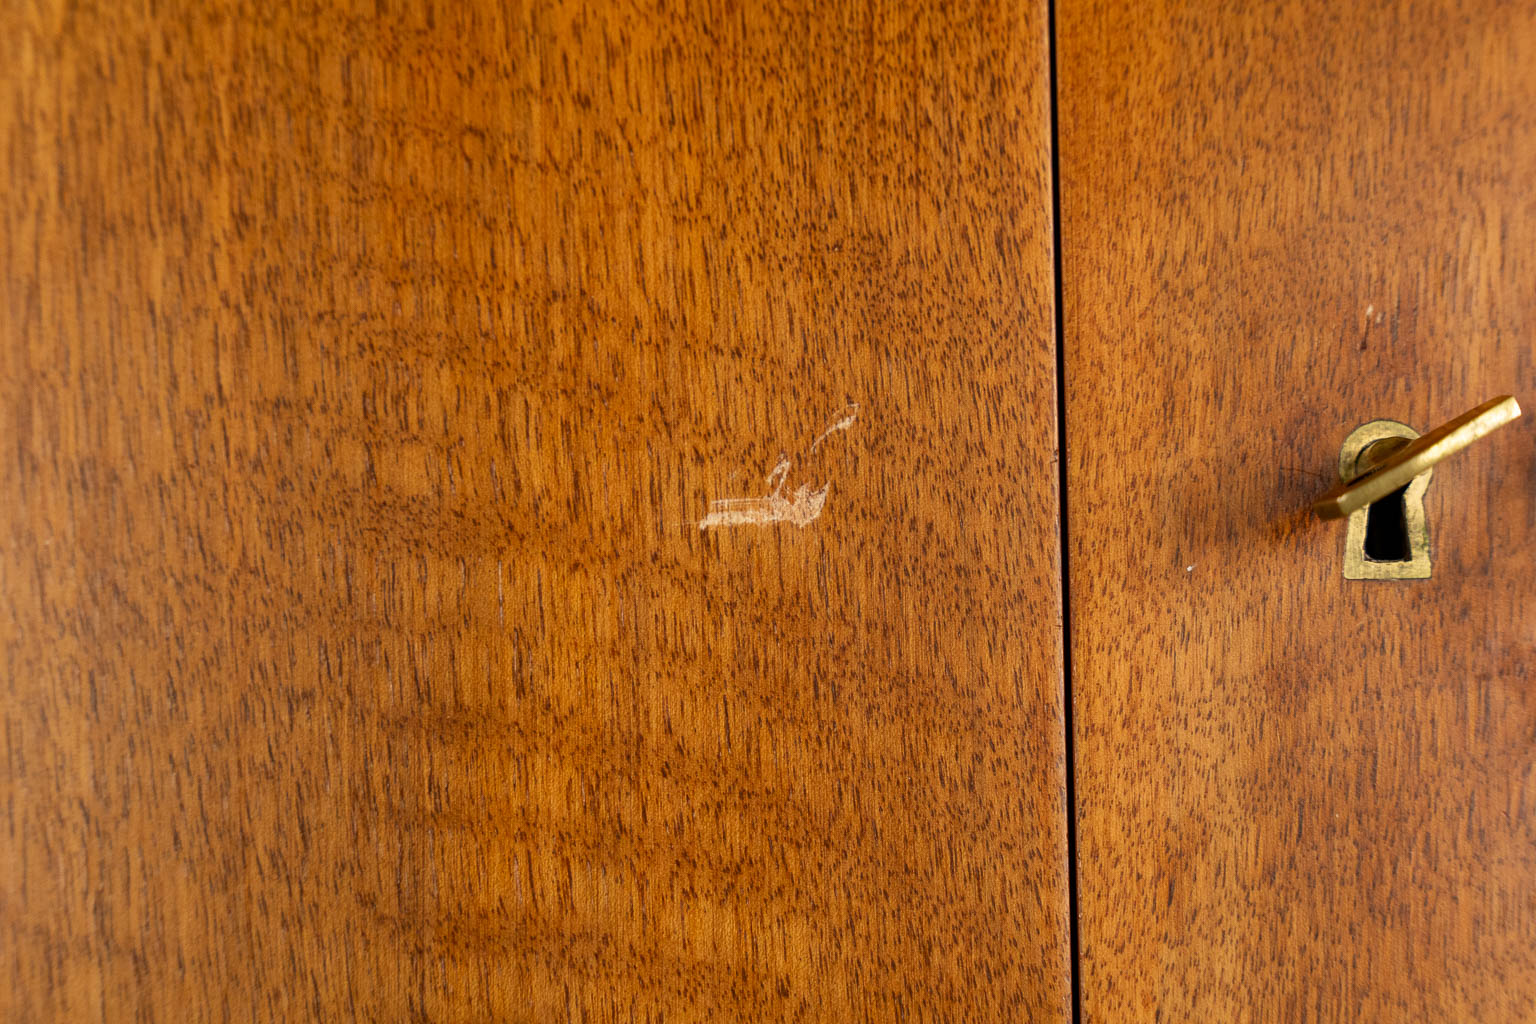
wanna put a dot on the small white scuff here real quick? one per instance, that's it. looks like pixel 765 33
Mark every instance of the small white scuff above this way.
pixel 850 414
pixel 801 508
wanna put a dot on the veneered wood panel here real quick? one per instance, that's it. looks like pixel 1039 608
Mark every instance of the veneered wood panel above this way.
pixel 1299 798
pixel 367 371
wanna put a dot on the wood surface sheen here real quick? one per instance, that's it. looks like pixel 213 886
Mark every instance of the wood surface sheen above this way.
pixel 1299 797
pixel 366 370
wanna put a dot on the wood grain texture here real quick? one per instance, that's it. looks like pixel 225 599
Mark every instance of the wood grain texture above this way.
pixel 1299 798
pixel 365 372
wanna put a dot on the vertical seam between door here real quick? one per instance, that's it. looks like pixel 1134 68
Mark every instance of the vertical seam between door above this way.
pixel 1073 940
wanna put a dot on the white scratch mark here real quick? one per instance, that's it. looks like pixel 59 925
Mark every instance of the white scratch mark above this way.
pixel 850 414
pixel 1369 310
pixel 777 475
pixel 801 508
pixel 1189 568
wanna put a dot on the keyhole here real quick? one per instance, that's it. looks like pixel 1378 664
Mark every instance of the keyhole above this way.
pixel 1386 529
pixel 1388 539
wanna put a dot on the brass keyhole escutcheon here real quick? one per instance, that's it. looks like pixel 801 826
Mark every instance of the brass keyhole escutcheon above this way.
pixel 1388 539
pixel 1384 470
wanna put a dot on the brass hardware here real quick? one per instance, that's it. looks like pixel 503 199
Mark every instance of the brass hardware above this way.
pixel 1383 457
pixel 1386 472
pixel 1375 437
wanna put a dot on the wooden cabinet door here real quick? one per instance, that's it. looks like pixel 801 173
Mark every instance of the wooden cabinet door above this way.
pixel 529 512
pixel 1298 797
